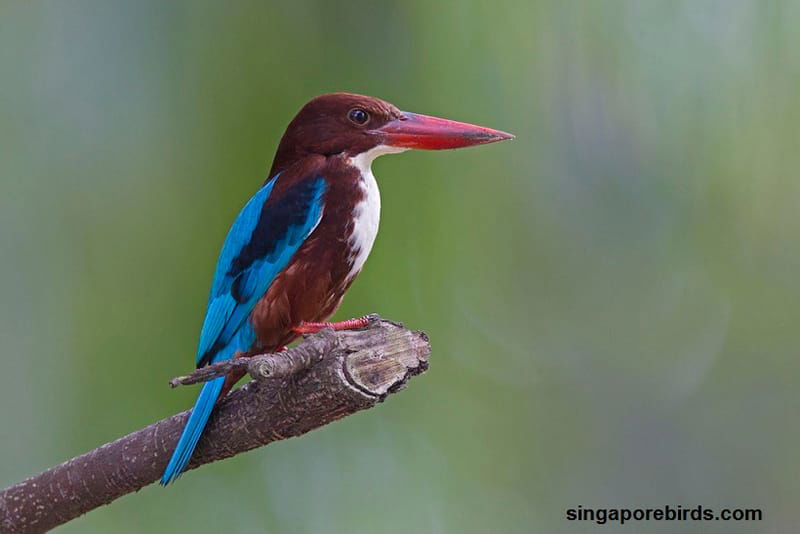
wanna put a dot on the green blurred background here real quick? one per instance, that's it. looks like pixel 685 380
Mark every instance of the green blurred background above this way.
pixel 613 298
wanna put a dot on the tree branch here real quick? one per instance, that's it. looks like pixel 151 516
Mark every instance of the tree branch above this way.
pixel 329 376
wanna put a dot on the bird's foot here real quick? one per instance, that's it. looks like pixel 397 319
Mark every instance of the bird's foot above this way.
pixel 351 324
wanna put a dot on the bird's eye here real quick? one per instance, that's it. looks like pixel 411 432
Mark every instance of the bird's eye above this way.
pixel 358 116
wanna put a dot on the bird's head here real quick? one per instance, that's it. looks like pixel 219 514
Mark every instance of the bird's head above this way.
pixel 352 124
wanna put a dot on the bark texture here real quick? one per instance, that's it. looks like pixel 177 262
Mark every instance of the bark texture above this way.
pixel 327 377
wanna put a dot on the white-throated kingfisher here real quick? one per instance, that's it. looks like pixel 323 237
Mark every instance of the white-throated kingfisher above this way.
pixel 302 239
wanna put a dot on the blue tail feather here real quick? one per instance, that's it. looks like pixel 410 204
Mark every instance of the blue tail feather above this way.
pixel 193 429
pixel 257 248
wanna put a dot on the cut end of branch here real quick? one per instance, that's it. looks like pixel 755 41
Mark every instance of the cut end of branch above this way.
pixel 385 366
pixel 383 354
pixel 331 375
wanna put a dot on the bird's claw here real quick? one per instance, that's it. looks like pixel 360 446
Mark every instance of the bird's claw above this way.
pixel 306 328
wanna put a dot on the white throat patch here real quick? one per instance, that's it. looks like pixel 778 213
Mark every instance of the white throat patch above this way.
pixel 367 213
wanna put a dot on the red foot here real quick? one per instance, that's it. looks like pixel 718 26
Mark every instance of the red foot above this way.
pixel 313 328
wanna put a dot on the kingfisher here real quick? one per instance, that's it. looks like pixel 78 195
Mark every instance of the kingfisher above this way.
pixel 300 241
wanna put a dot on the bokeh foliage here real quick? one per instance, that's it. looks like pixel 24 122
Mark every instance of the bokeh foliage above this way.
pixel 613 298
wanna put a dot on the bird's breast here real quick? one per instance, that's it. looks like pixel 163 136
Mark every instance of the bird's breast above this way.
pixel 311 286
pixel 366 216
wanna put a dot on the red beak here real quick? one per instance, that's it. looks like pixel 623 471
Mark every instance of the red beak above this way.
pixel 430 133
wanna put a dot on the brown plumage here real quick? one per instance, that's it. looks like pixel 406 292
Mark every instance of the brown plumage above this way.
pixel 294 250
pixel 323 140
